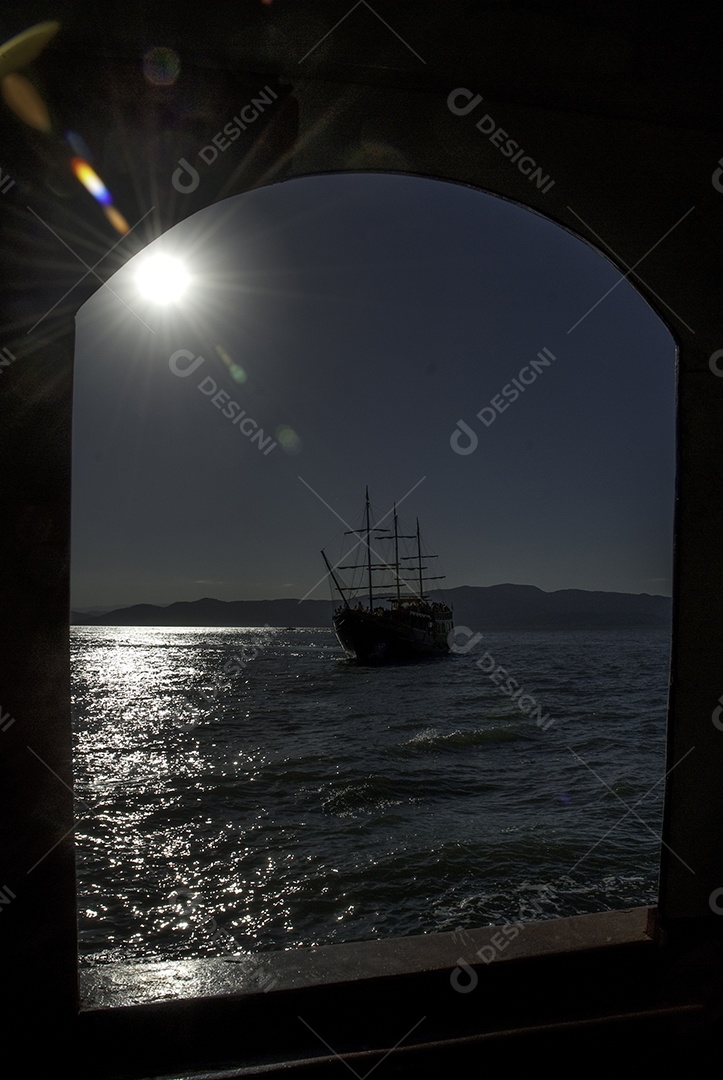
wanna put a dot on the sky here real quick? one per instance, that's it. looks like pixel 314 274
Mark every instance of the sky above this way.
pixel 357 319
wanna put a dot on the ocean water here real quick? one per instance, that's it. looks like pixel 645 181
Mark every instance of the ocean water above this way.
pixel 249 789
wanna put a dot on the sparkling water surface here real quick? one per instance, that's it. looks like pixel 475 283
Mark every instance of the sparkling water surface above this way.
pixel 249 789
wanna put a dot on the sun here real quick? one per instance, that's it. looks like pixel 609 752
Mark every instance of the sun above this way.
pixel 162 279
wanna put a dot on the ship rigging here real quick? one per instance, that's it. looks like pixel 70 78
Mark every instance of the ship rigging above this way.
pixel 382 628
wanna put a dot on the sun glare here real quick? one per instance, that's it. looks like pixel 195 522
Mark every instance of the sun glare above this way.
pixel 162 279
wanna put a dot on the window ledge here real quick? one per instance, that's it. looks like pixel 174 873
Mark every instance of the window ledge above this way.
pixel 118 985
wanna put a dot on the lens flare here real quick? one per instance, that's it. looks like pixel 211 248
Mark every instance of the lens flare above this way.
pixel 78 145
pixel 91 181
pixel 21 96
pixel 117 220
pixel 161 66
pixel 236 371
pixel 21 50
pixel 288 439
pixel 162 278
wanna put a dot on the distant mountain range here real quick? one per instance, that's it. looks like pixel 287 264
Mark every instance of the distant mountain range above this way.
pixel 495 607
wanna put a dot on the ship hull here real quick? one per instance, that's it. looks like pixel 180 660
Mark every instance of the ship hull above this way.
pixel 370 638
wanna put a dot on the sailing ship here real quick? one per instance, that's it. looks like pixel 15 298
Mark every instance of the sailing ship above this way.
pixel 386 614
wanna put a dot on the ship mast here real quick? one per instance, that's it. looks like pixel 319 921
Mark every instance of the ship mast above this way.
pixel 396 555
pixel 419 560
pixel 364 535
pixel 340 588
pixel 369 553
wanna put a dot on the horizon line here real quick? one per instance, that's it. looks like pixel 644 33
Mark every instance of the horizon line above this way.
pixel 105 608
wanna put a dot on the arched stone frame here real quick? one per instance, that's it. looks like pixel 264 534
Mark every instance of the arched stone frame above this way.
pixel 658 207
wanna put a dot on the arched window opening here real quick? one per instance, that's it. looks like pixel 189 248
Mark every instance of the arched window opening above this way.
pixel 250 789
